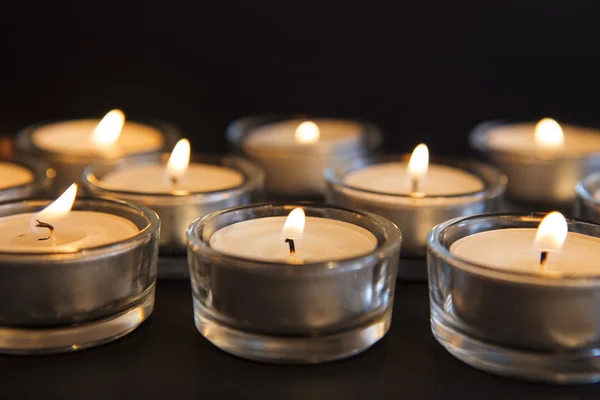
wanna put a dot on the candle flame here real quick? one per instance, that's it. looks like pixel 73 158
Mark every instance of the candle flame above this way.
pixel 179 160
pixel 57 209
pixel 307 132
pixel 419 162
pixel 549 137
pixel 294 225
pixel 108 130
pixel 552 232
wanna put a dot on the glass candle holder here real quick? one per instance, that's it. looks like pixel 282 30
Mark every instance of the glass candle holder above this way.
pixel 39 186
pixel 587 204
pixel 292 313
pixel 298 172
pixel 60 302
pixel 69 167
pixel 517 324
pixel 179 209
pixel 415 216
pixel 532 178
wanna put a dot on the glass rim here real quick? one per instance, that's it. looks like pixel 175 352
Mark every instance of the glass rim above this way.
pixel 152 227
pixel 492 188
pixel 479 132
pixel 24 142
pixel 582 188
pixel 390 244
pixel 253 174
pixel 435 246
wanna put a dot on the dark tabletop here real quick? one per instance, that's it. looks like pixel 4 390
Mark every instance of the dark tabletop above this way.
pixel 167 358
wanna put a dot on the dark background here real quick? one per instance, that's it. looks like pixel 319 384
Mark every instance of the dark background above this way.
pixel 422 70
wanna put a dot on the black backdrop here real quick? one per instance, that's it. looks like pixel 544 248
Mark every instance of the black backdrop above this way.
pixel 422 70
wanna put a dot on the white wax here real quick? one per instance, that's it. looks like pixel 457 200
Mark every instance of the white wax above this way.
pixel 74 137
pixel 335 135
pixel 324 240
pixel 520 139
pixel 513 250
pixel 152 179
pixel 12 175
pixel 78 230
pixel 392 178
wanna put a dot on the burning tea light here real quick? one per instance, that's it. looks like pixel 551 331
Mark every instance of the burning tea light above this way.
pixel 178 177
pixel 415 195
pixel 295 152
pixel 108 137
pixel 58 229
pixel 287 282
pixel 547 250
pixel 177 190
pixel 69 146
pixel 518 295
pixel 74 273
pixel 549 138
pixel 415 179
pixel 544 161
pixel 263 239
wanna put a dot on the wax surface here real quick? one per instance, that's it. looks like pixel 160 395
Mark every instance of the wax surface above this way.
pixel 513 250
pixel 324 240
pixel 12 175
pixel 74 137
pixel 392 178
pixel 152 179
pixel 520 138
pixel 334 134
pixel 78 230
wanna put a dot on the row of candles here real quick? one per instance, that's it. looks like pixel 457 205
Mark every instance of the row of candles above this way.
pixel 265 273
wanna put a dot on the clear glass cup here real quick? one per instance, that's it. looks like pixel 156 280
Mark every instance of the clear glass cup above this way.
pixel 59 302
pixel 534 180
pixel 415 216
pixel 516 324
pixel 286 313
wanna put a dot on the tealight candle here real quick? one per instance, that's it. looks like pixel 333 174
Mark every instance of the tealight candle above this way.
pixel 58 229
pixel 294 152
pixel 12 175
pixel 415 195
pixel 517 300
pixel 286 288
pixel 69 146
pixel 72 279
pixel 22 178
pixel 326 240
pixel 177 190
pixel 544 161
pixel 177 177
pixel 576 257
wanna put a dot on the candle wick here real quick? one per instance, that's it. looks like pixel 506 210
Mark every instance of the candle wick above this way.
pixel 543 259
pixel 174 181
pixel 46 225
pixel 290 242
pixel 414 188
